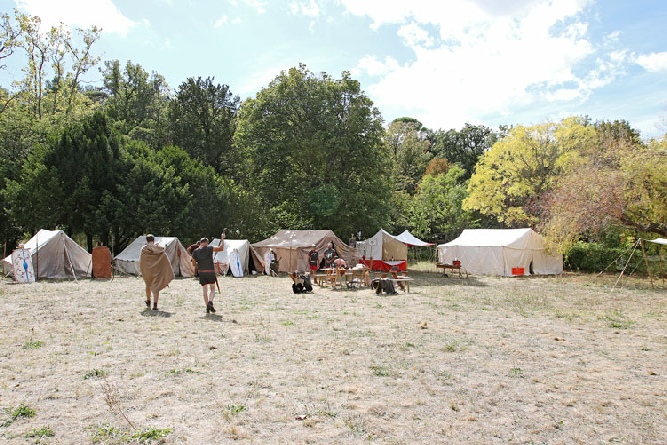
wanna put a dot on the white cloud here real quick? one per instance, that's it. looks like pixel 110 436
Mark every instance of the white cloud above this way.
pixel 371 66
pixel 308 8
pixel 219 23
pixel 258 5
pixel 654 62
pixel 414 35
pixel 488 59
pixel 78 13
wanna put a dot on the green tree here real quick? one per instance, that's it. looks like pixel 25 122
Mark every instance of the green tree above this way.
pixel 313 155
pixel 137 102
pixel 436 210
pixel 55 64
pixel 168 193
pixel 203 118
pixel 68 183
pixel 406 141
pixel 9 38
pixel 20 135
pixel 465 146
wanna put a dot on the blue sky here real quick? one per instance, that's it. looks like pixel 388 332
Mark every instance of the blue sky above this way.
pixel 446 63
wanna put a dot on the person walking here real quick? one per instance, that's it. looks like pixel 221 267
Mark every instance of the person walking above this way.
pixel 203 255
pixel 155 270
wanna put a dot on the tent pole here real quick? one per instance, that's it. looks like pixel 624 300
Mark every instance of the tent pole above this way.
pixel 71 265
pixel 661 265
pixel 37 256
pixel 626 266
pixel 650 275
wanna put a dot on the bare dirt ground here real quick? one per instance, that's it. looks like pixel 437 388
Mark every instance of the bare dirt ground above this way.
pixel 560 360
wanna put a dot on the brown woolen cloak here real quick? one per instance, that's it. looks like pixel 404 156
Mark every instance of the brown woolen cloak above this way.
pixel 155 267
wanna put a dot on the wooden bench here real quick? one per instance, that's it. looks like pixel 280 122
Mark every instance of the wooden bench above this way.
pixel 319 279
pixel 402 281
pixel 455 268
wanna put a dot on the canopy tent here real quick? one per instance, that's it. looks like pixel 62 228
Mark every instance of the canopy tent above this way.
pixel 55 255
pixel 510 252
pixel 385 251
pixel 244 250
pixel 408 238
pixel 181 262
pixel 292 246
pixel 662 241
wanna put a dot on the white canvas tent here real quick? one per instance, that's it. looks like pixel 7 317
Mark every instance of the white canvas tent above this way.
pixel 408 238
pixel 511 252
pixel 56 255
pixel 383 246
pixel 181 262
pixel 242 246
pixel 292 246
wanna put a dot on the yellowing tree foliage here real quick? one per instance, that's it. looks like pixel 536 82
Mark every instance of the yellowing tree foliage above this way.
pixel 509 178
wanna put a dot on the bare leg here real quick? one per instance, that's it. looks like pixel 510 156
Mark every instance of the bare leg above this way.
pixel 148 297
pixel 210 297
pixel 205 292
pixel 156 296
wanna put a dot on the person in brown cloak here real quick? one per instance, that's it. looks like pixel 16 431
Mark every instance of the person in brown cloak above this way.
pixel 155 269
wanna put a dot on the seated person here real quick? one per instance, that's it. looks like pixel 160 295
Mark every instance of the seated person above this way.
pixel 339 262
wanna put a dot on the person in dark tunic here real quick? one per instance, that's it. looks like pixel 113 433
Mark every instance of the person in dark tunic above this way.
pixel 329 254
pixel 203 255
pixel 313 261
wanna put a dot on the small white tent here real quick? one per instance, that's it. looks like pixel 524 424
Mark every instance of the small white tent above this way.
pixel 56 255
pixel 385 250
pixel 242 247
pixel 181 262
pixel 408 238
pixel 511 252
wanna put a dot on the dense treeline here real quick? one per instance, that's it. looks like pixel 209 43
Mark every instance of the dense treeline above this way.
pixel 133 155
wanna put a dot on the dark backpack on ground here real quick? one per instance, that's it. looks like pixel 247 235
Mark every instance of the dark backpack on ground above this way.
pixel 297 288
pixel 381 285
pixel 307 286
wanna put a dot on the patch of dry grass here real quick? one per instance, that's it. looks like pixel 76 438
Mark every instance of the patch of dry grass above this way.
pixel 560 360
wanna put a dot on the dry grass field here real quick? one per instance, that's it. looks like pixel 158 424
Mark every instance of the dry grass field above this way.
pixel 484 360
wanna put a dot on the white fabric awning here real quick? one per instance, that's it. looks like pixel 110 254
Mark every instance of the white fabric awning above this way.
pixel 408 238
pixel 662 241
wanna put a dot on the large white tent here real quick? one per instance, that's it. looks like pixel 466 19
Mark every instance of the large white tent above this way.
pixel 181 262
pixel 504 252
pixel 55 255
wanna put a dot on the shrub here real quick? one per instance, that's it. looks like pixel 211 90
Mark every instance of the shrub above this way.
pixel 596 257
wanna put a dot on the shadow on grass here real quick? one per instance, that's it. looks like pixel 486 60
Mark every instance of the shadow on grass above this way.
pixel 213 317
pixel 428 278
pixel 159 313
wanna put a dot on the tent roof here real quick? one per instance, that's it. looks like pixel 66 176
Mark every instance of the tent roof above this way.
pixel 662 241
pixel 495 238
pixel 411 240
pixel 133 250
pixel 295 238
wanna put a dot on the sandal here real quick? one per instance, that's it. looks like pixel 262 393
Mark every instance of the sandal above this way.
pixel 148 304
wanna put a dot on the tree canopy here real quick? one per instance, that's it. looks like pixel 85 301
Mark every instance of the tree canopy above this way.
pixel 311 150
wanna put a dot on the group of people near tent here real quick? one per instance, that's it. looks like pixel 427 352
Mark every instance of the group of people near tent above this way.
pixel 513 252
